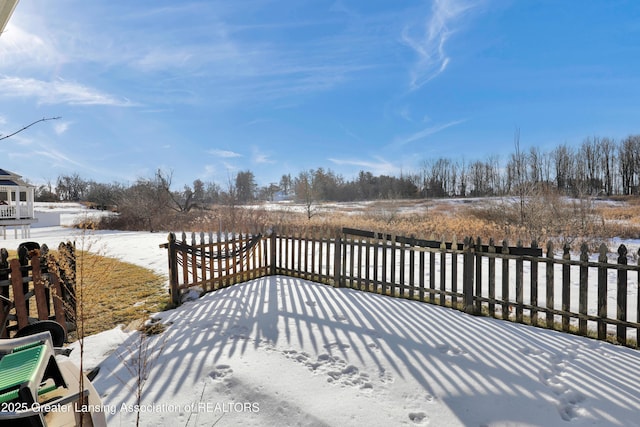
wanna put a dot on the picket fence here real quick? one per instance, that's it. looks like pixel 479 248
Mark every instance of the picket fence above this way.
pixel 35 287
pixel 589 294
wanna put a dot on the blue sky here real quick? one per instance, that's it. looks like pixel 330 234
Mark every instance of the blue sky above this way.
pixel 205 89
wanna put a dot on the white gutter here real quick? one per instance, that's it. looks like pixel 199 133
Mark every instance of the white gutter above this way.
pixel 6 9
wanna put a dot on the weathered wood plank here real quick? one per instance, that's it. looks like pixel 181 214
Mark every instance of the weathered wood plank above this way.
pixel 505 281
pixel 478 261
pixel 602 292
pixel 22 314
pixel 534 287
pixel 550 284
pixel 621 330
pixel 566 288
pixel 583 289
pixel 492 278
pixel 519 287
pixel 42 302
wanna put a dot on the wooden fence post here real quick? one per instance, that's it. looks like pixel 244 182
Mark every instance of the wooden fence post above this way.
pixel 272 252
pixel 492 277
pixel 443 271
pixel 566 287
pixel 602 292
pixel 173 269
pixel 467 276
pixel 432 277
pixel 454 272
pixel 337 261
pixel 17 285
pixel 505 281
pixel 519 286
pixel 4 291
pixel 412 276
pixel 550 283
pixel 534 286
pixel 583 289
pixel 478 274
pixel 622 295
pixel 42 301
pixel 638 303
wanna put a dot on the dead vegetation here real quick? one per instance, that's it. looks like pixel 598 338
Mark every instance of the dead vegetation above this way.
pixel 541 218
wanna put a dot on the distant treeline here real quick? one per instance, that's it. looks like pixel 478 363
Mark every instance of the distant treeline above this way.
pixel 599 166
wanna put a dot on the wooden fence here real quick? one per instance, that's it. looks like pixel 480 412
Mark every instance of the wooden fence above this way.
pixel 589 294
pixel 33 277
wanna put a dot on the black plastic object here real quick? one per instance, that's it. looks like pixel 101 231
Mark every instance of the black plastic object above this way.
pixel 58 334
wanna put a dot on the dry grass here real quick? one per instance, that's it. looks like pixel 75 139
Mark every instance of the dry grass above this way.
pixel 109 292
pixel 547 217
pixel 115 292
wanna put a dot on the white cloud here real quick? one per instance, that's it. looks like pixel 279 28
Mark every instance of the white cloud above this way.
pixel 61 127
pixel 223 153
pixel 379 167
pixel 429 45
pixel 58 92
pixel 426 132
pixel 20 48
pixel 260 157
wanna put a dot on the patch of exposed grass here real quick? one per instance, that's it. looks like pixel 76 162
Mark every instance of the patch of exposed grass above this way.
pixel 110 292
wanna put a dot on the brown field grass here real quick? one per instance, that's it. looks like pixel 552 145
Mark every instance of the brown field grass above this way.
pixel 542 219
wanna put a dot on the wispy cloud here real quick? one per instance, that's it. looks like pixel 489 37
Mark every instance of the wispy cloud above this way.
pixel 20 48
pixel 60 128
pixel 223 153
pixel 429 43
pixel 58 92
pixel 259 157
pixel 53 157
pixel 378 167
pixel 425 133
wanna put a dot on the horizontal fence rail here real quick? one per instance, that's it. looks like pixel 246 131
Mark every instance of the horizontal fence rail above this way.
pixel 590 294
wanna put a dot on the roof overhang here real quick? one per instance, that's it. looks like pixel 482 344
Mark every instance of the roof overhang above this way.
pixel 6 9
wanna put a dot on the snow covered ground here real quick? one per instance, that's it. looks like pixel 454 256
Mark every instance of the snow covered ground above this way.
pixel 284 351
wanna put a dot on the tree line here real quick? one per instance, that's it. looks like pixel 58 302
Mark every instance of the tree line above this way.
pixel 599 166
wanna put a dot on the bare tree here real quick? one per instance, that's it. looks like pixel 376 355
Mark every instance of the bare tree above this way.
pixel 305 192
pixel 518 161
pixel 628 159
pixel 608 159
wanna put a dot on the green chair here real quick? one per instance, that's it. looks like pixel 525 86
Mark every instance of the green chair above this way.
pixel 26 370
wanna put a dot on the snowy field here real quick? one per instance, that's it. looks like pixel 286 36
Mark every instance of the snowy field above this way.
pixel 284 351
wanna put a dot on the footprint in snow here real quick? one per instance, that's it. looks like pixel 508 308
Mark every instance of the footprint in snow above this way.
pixel 336 345
pixel 451 350
pixel 553 377
pixel 418 417
pixel 221 372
